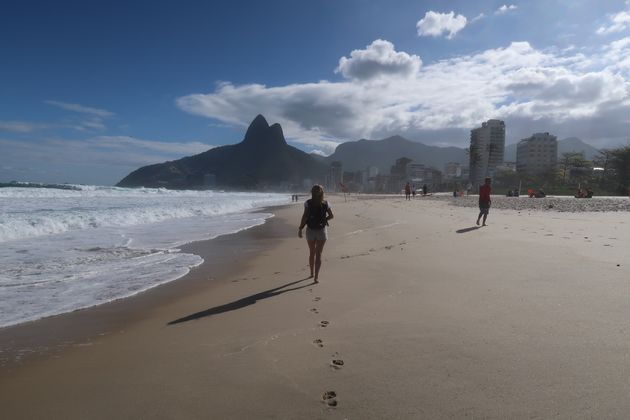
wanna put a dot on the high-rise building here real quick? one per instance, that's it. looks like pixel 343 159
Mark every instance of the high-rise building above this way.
pixel 537 154
pixel 335 176
pixel 416 171
pixel 453 170
pixel 487 145
pixel 399 174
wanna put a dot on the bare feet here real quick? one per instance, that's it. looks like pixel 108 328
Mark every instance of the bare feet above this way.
pixel 477 222
pixel 315 280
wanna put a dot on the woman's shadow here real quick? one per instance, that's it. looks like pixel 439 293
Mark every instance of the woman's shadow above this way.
pixel 470 229
pixel 241 303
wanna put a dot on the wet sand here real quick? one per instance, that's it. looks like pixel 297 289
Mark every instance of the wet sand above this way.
pixel 419 314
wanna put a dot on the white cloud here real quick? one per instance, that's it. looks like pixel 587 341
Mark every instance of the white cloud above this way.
pixel 478 17
pixel 505 8
pixel 171 148
pixel 22 126
pixel 436 24
pixel 618 22
pixel 562 91
pixel 80 108
pixel 378 59
pixel 92 118
pixel 101 160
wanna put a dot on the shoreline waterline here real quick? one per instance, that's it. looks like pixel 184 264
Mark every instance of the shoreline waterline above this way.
pixel 221 256
pixel 64 250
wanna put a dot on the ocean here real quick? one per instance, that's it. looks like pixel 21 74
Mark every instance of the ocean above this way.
pixel 63 250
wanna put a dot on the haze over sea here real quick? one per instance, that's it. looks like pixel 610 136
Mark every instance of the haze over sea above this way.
pixel 62 250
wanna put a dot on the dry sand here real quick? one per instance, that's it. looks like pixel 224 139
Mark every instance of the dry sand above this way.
pixel 525 318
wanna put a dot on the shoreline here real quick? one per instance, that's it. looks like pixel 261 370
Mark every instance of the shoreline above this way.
pixel 47 337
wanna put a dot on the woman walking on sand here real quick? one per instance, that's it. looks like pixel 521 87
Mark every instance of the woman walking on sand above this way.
pixel 316 215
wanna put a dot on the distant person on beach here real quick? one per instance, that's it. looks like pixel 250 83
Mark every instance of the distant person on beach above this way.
pixel 424 189
pixel 484 201
pixel 413 190
pixel 407 192
pixel 316 215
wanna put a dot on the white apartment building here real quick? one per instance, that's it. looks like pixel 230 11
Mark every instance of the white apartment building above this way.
pixel 487 146
pixel 453 170
pixel 416 171
pixel 537 154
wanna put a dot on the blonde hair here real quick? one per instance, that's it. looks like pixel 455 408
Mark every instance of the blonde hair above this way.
pixel 317 194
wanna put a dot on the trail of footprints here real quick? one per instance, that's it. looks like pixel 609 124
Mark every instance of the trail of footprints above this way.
pixel 371 250
pixel 328 397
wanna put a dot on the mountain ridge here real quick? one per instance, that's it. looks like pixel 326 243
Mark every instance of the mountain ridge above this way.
pixel 262 160
pixel 359 154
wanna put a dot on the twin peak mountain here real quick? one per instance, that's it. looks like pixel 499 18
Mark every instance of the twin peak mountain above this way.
pixel 263 160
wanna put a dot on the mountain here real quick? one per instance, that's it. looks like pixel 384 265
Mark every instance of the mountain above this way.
pixel 262 160
pixel 570 144
pixel 573 144
pixel 358 155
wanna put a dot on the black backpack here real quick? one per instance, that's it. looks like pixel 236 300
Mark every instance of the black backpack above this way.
pixel 317 215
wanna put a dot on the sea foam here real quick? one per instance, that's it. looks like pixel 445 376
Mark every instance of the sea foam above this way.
pixel 64 250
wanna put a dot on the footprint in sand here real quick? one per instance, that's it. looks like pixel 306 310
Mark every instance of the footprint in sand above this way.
pixel 330 398
pixel 316 299
pixel 318 342
pixel 324 324
pixel 314 310
pixel 337 363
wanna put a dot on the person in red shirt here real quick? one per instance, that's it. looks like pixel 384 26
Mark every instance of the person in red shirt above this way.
pixel 484 201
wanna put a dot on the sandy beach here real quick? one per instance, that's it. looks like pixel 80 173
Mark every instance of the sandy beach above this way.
pixel 419 314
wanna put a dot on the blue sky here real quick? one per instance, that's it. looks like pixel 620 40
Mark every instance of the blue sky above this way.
pixel 93 90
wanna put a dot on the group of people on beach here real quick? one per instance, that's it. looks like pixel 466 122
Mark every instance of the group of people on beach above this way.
pixel 317 213
pixel 584 193
pixel 410 190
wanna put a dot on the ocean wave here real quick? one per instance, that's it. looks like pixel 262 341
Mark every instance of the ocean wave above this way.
pixel 31 212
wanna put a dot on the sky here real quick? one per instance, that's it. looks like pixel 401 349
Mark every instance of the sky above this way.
pixel 90 91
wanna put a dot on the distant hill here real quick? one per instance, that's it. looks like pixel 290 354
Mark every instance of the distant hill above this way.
pixel 570 144
pixel 262 160
pixel 573 144
pixel 358 155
